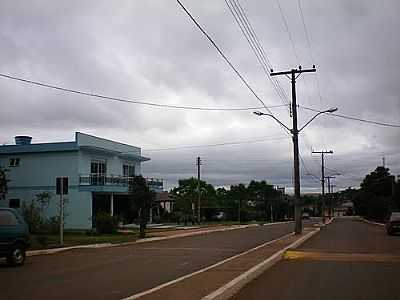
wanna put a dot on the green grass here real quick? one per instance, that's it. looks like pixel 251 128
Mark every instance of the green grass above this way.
pixel 73 239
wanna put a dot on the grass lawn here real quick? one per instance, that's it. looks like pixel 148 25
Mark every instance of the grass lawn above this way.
pixel 74 238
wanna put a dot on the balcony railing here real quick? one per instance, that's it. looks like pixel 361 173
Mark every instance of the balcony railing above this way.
pixel 114 180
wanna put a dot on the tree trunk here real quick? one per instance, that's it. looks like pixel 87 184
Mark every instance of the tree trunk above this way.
pixel 142 224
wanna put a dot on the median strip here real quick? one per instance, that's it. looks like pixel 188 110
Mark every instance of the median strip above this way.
pixel 223 279
pixel 145 240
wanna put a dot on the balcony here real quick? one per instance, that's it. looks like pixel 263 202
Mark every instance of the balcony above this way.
pixel 114 183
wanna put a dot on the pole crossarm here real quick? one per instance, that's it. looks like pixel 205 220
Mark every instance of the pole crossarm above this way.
pixel 293 71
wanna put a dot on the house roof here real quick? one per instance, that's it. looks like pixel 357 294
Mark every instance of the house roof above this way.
pixel 82 141
pixel 42 147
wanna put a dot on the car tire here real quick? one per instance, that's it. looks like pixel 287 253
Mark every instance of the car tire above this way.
pixel 17 256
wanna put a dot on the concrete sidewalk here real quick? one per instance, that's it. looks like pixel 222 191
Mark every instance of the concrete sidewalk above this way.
pixel 225 277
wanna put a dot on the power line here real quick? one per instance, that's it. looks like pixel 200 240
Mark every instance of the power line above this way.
pixel 353 118
pixel 219 144
pixel 103 97
pixel 314 177
pixel 306 31
pixel 239 14
pixel 223 56
pixel 288 31
pixel 308 39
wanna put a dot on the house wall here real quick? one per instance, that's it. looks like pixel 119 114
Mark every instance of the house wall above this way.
pixel 37 173
pixel 89 140
pixel 114 163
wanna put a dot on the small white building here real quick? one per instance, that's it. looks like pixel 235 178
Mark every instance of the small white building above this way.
pixel 98 171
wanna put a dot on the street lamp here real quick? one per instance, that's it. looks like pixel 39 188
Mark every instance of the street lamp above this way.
pixel 294 132
pixel 330 110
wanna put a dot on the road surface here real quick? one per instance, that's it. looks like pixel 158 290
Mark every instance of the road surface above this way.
pixel 348 259
pixel 118 272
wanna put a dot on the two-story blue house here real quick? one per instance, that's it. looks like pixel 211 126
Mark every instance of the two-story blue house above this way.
pixel 98 172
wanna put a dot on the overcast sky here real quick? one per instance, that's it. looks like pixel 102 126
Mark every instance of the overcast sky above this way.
pixel 151 51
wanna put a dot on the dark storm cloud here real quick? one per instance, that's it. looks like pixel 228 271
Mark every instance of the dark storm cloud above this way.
pixel 150 50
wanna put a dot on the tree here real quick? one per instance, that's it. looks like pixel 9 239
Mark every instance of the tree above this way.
pixel 265 197
pixel 374 199
pixel 141 200
pixel 239 194
pixel 185 196
pixel 3 183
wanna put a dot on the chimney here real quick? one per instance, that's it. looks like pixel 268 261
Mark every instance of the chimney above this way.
pixel 23 140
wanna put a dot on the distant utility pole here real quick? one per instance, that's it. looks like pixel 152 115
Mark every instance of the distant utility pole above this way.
pixel 330 191
pixel 323 179
pixel 198 189
pixel 295 137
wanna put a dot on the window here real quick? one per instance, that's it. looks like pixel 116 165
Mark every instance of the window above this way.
pixel 128 170
pixel 15 203
pixel 98 170
pixel 98 167
pixel 7 218
pixel 14 162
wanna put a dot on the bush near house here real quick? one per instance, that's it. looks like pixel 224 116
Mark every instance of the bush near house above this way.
pixel 105 223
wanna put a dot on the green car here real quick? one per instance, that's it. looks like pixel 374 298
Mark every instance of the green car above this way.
pixel 14 236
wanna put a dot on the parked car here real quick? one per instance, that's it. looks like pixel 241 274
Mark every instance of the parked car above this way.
pixel 14 236
pixel 305 216
pixel 393 223
pixel 219 216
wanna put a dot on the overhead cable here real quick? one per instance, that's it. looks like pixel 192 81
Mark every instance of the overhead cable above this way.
pixel 103 97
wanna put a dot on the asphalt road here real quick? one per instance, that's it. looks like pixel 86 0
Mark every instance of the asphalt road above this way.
pixel 118 272
pixel 348 259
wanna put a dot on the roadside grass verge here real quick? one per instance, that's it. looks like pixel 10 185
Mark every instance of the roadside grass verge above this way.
pixel 79 238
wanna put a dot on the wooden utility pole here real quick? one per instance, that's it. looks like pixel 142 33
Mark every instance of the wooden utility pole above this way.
pixel 295 137
pixel 330 192
pixel 323 179
pixel 198 190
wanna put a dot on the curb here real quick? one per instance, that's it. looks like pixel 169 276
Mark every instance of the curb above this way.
pixel 179 235
pixel 56 250
pixel 371 222
pixel 330 221
pixel 234 286
pixel 159 287
pixel 146 240
pixel 277 223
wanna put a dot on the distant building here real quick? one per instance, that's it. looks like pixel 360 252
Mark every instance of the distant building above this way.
pixel 98 171
pixel 165 201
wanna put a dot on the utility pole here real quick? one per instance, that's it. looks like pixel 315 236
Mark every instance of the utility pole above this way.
pixel 198 189
pixel 330 194
pixel 323 179
pixel 295 137
pixel 62 215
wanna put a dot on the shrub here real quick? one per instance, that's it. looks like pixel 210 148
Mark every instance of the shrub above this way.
pixel 32 216
pixel 51 225
pixel 91 232
pixel 106 223
pixel 42 240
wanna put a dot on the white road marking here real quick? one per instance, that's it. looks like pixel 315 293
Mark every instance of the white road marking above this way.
pixel 161 286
